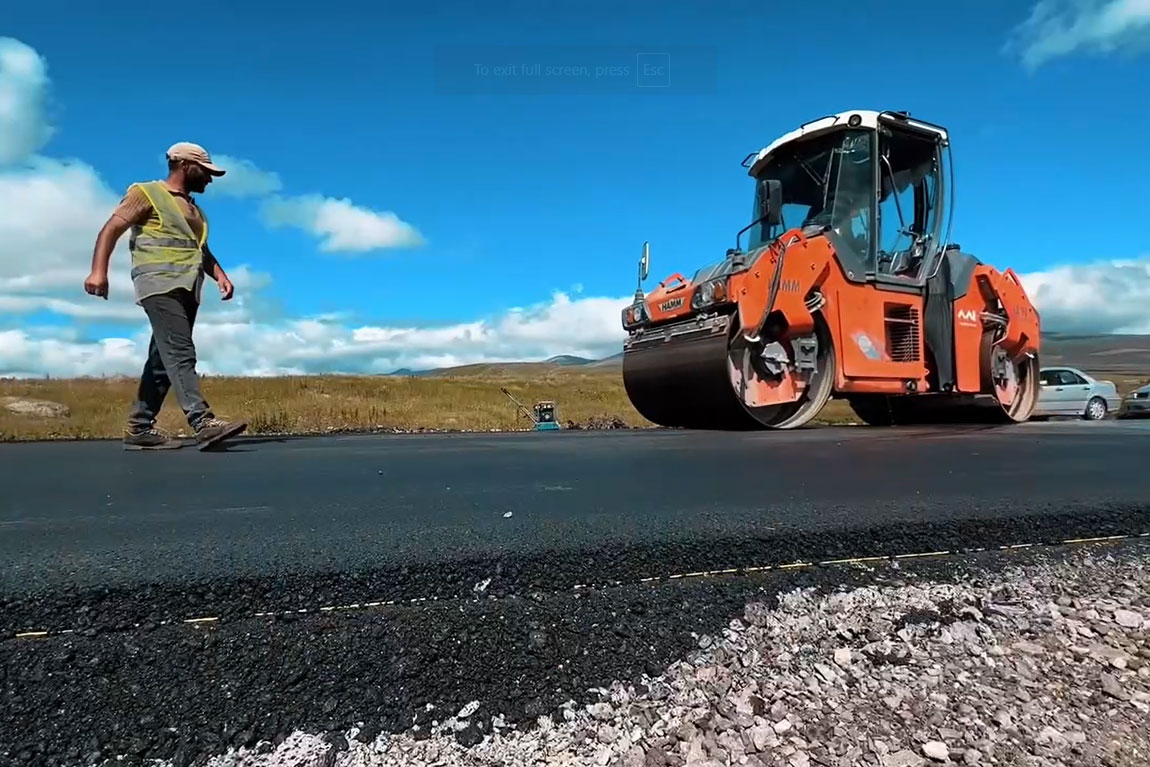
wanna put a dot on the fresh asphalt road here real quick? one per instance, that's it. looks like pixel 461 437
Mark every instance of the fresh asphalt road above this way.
pixel 105 554
pixel 80 515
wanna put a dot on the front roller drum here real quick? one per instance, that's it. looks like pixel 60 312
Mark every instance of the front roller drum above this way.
pixel 677 377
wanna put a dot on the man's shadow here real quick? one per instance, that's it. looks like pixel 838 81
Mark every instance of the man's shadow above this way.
pixel 240 444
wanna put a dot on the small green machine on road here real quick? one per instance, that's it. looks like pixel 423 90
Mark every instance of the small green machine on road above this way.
pixel 543 415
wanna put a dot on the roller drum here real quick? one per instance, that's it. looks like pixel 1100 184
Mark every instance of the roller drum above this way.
pixel 677 376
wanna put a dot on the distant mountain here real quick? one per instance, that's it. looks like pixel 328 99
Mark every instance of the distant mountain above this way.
pixel 615 360
pixel 410 372
pixel 568 359
pixel 1097 353
pixel 508 367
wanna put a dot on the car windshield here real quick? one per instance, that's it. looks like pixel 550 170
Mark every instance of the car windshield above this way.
pixel 825 180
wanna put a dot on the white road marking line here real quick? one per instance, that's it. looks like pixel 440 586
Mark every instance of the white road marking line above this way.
pixel 923 554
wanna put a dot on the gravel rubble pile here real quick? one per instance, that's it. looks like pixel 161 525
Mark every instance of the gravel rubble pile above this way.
pixel 1042 664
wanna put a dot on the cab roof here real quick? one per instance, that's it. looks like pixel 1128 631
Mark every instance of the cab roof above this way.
pixel 867 118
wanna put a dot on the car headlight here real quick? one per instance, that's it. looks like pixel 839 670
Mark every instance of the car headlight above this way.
pixel 711 292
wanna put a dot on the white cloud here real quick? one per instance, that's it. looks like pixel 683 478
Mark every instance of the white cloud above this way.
pixel 243 178
pixel 1061 27
pixel 51 211
pixel 92 309
pixel 37 353
pixel 1107 296
pixel 586 327
pixel 1100 297
pixel 50 214
pixel 23 83
pixel 343 226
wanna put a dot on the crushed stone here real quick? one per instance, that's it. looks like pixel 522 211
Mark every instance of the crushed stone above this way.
pixel 1042 664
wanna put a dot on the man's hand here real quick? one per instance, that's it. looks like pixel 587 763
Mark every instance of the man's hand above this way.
pixel 226 288
pixel 97 284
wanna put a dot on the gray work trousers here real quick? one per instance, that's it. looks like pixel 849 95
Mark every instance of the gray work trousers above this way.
pixel 171 361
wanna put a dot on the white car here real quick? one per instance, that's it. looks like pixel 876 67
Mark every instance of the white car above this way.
pixel 1137 404
pixel 1068 391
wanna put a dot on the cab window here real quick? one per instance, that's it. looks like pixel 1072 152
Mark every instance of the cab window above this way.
pixel 909 168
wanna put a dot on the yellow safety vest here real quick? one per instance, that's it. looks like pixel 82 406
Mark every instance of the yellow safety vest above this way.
pixel 166 254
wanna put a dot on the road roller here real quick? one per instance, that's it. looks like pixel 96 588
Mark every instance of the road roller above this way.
pixel 848 287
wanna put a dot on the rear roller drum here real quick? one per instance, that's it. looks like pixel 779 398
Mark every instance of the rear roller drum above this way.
pixel 1013 383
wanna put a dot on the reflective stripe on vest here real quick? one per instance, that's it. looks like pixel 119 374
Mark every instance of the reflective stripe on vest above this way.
pixel 162 269
pixel 168 246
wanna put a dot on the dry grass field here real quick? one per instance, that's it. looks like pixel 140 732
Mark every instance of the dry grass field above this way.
pixel 465 399
pixel 470 400
pixel 321 404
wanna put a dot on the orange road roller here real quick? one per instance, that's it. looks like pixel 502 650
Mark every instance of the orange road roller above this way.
pixel 848 288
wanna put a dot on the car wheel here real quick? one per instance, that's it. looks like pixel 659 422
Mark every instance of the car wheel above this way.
pixel 1095 409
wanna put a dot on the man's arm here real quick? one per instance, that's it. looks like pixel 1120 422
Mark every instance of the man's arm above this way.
pixel 110 233
pixel 211 264
pixel 133 209
pixel 217 273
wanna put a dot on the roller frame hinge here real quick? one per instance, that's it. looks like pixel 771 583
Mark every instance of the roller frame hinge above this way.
pixel 806 349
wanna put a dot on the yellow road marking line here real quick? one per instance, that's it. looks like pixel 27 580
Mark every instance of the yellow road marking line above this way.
pixel 852 560
pixel 40 634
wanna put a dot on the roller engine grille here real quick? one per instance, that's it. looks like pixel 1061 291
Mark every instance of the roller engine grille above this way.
pixel 903 333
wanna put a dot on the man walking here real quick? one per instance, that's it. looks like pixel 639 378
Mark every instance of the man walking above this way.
pixel 170 256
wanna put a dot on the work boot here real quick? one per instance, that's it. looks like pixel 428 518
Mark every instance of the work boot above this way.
pixel 149 439
pixel 212 431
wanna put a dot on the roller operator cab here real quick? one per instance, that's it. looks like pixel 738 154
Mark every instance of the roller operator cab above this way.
pixel 846 287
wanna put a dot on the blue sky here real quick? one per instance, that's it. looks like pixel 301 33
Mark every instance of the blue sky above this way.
pixel 541 198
